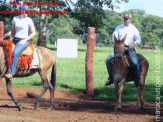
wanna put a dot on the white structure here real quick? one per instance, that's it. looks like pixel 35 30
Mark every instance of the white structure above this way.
pixel 67 48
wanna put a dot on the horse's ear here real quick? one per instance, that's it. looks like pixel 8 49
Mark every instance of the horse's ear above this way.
pixel 115 39
pixel 124 38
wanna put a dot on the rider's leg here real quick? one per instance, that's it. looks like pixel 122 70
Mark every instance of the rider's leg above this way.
pixel 18 49
pixel 108 66
pixel 135 64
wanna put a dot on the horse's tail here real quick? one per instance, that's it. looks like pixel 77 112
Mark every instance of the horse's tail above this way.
pixel 53 75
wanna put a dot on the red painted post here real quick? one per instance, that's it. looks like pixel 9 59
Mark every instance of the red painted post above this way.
pixel 1 35
pixel 89 61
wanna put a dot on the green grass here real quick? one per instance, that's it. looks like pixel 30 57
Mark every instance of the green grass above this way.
pixel 71 76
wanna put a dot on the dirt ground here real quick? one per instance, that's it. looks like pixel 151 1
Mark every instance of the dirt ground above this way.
pixel 70 107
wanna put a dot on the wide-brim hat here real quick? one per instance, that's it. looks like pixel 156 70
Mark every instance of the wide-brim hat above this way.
pixel 24 8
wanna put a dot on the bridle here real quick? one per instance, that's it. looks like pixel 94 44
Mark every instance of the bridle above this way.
pixel 119 55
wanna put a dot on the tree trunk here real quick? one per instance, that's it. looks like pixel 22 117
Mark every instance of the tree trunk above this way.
pixel 42 28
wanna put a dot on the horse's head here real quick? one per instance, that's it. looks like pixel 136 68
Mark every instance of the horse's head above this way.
pixel 119 46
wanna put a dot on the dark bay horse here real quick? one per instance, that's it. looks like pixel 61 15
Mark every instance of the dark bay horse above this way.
pixel 48 61
pixel 120 70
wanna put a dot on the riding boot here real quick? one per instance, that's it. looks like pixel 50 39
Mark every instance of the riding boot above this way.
pixel 109 80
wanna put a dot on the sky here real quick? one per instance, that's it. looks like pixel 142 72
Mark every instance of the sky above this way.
pixel 153 7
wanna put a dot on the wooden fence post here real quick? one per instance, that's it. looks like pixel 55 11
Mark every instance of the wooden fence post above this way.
pixel 89 61
pixel 1 35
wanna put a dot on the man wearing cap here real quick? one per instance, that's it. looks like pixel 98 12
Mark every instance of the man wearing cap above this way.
pixel 132 40
pixel 21 24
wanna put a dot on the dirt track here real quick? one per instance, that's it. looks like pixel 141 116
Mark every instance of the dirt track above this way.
pixel 70 107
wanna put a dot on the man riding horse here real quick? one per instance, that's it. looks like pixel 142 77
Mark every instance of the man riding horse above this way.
pixel 132 40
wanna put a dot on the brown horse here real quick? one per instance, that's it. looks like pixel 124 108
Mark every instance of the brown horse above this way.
pixel 48 61
pixel 120 70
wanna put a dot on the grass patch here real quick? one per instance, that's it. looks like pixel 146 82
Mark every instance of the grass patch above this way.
pixel 71 75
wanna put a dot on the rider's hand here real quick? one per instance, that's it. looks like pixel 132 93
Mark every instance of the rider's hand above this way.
pixel 22 42
pixel 132 45
pixel 8 34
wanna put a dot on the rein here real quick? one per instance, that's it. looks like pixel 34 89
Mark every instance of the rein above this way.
pixel 121 56
pixel 3 38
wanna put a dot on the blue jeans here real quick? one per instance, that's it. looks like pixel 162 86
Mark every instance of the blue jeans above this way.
pixel 18 50
pixel 108 63
pixel 134 62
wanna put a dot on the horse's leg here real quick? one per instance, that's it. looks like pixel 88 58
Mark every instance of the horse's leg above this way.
pixel 46 85
pixel 40 96
pixel 51 89
pixel 138 92
pixel 9 91
pixel 119 94
pixel 140 95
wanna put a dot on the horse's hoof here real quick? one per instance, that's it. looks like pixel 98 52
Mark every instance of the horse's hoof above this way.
pixel 142 107
pixel 115 109
pixel 36 106
pixel 50 108
pixel 138 108
pixel 20 108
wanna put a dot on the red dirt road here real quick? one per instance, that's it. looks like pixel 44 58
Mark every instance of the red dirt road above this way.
pixel 70 107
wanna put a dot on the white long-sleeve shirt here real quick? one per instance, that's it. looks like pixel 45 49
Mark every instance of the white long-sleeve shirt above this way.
pixel 132 32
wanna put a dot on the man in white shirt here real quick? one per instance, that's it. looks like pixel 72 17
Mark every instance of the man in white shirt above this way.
pixel 132 40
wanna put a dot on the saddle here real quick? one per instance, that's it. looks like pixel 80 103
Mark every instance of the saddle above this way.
pixel 140 59
pixel 25 57
pixel 27 51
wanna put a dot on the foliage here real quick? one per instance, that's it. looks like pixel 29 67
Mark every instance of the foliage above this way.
pixel 62 27
pixel 90 13
pixel 87 13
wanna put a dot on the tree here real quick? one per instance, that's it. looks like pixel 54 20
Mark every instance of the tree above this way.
pixel 42 28
pixel 90 13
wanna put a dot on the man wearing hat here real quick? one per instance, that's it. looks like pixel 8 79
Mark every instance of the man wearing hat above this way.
pixel 132 40
pixel 21 25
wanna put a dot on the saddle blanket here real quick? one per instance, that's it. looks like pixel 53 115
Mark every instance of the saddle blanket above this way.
pixel 30 58
pixel 36 62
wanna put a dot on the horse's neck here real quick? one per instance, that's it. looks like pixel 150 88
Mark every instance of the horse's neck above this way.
pixel 121 65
